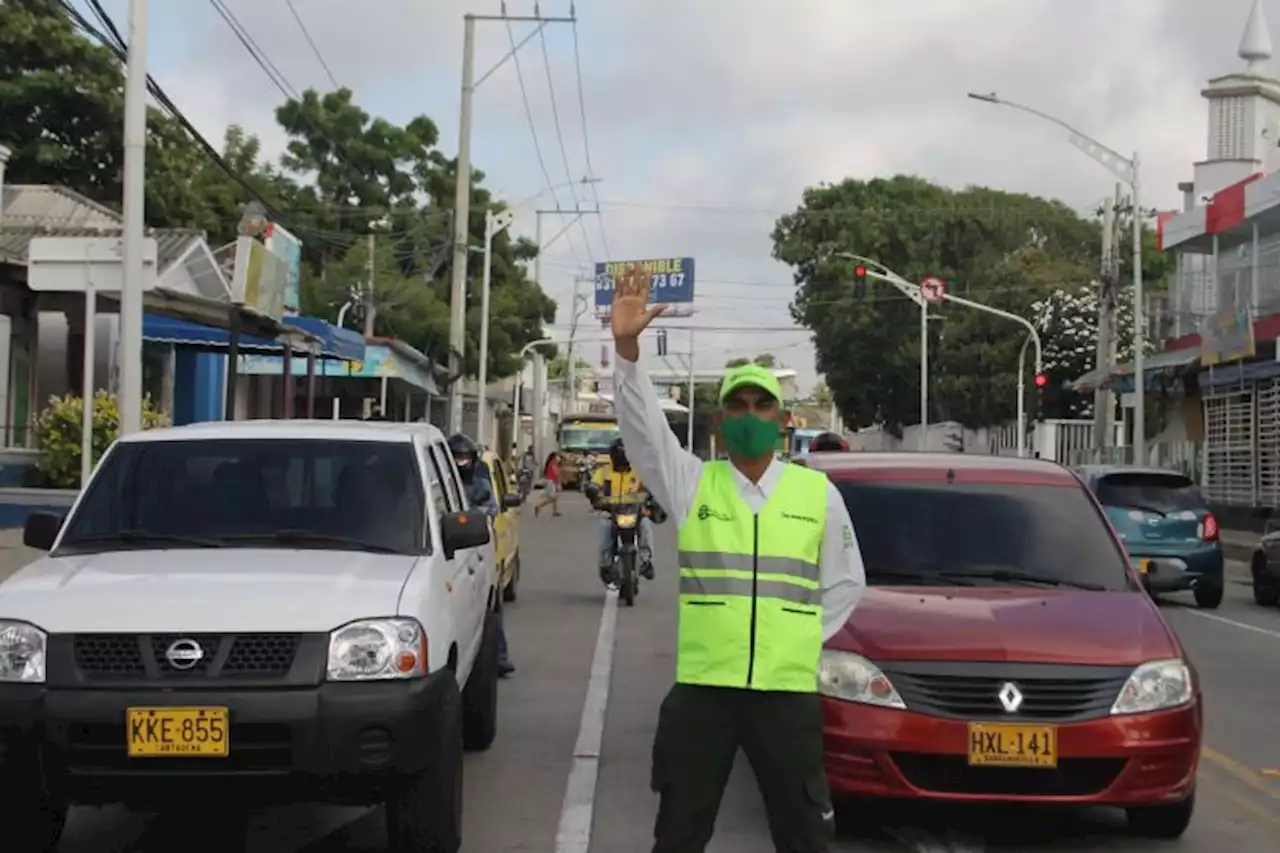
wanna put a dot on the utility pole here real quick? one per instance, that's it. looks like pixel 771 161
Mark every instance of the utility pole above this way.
pixel 462 194
pixel 1107 281
pixel 134 233
pixel 369 310
pixel 570 393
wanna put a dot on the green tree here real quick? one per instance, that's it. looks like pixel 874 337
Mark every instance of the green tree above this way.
pixel 764 359
pixel 1003 249
pixel 344 173
pixel 558 367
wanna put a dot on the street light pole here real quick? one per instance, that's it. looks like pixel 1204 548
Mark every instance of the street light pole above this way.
pixel 495 224
pixel 924 374
pixel 1127 170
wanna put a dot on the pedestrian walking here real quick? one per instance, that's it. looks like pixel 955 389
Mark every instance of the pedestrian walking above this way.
pixel 550 486
pixel 769 570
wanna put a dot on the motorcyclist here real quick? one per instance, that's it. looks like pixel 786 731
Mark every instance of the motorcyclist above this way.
pixel 617 482
pixel 828 442
pixel 481 495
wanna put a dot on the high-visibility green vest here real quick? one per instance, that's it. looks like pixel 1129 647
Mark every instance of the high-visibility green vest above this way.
pixel 750 594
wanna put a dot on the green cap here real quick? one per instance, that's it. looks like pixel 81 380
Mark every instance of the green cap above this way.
pixel 753 376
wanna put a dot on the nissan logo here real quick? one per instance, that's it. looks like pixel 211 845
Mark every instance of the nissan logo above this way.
pixel 184 654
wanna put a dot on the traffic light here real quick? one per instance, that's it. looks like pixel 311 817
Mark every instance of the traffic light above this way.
pixel 860 280
pixel 662 342
pixel 1042 382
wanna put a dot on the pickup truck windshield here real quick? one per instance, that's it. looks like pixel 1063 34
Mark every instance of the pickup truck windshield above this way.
pixel 262 493
pixel 982 534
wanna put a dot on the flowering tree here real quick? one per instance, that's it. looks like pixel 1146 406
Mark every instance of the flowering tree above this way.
pixel 1067 320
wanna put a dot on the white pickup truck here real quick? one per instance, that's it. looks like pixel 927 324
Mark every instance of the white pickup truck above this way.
pixel 253 611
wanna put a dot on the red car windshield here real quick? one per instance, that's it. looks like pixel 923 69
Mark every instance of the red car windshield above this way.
pixel 931 533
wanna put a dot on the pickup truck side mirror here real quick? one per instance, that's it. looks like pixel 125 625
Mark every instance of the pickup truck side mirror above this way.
pixel 512 501
pixel 41 530
pixel 462 530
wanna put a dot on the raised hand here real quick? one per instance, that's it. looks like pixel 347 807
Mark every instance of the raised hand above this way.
pixel 632 312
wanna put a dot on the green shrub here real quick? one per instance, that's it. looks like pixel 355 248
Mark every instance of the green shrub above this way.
pixel 58 434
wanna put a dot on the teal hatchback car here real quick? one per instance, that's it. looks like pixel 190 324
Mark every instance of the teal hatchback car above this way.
pixel 1168 530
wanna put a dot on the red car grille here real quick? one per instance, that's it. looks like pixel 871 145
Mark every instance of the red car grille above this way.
pixel 971 690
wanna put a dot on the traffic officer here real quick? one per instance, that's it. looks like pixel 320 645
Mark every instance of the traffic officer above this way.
pixel 769 569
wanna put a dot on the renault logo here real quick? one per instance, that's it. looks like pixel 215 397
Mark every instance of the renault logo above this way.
pixel 1010 697
pixel 184 654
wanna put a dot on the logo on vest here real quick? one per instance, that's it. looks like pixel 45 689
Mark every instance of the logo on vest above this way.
pixel 705 512
pixel 795 517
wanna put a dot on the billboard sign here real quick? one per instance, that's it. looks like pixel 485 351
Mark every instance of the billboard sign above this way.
pixel 287 248
pixel 671 283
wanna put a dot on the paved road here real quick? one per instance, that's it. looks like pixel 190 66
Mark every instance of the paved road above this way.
pixel 514 793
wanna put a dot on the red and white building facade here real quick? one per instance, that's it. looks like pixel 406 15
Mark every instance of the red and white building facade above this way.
pixel 1225 300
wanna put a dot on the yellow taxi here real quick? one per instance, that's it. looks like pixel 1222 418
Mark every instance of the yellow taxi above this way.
pixel 506 527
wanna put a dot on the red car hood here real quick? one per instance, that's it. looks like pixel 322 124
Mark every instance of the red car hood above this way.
pixel 1007 624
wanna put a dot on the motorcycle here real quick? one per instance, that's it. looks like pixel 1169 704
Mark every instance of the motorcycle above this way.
pixel 626 547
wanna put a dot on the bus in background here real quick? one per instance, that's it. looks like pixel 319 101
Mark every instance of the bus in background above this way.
pixel 581 437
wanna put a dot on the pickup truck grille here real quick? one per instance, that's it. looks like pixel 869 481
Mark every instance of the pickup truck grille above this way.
pixel 133 656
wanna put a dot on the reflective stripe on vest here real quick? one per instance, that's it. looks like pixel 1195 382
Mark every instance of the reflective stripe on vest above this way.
pixel 750 594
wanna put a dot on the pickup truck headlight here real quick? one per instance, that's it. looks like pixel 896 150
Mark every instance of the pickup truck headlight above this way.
pixel 22 652
pixel 378 650
pixel 853 678
pixel 1155 686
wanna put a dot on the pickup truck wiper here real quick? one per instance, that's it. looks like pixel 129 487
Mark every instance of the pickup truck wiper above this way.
pixel 139 536
pixel 315 537
pixel 1015 576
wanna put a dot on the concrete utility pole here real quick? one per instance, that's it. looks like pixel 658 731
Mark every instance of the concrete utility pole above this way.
pixel 134 233
pixel 570 393
pixel 1102 401
pixel 462 194
pixel 369 311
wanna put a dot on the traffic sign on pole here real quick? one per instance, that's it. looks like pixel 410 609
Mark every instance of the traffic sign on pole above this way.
pixel 933 289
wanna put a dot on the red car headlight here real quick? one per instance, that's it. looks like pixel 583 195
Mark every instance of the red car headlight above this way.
pixel 1155 686
pixel 853 678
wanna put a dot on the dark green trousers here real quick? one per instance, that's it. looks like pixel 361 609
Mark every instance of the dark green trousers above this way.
pixel 699 732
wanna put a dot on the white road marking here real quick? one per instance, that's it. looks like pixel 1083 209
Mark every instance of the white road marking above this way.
pixel 1244 626
pixel 574 833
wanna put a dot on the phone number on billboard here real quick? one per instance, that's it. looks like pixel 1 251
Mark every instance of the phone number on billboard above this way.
pixel 657 281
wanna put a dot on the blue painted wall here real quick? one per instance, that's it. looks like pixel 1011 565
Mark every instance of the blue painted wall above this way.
pixel 197 386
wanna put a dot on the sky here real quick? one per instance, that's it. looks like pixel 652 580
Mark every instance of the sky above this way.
pixel 707 119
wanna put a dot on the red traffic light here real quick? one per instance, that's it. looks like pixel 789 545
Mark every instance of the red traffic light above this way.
pixel 859 272
pixel 1041 380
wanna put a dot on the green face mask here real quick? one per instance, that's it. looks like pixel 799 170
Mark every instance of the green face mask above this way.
pixel 749 436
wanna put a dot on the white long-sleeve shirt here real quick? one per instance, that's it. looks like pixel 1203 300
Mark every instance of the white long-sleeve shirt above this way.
pixel 671 475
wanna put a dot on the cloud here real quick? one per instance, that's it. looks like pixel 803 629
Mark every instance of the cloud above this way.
pixel 708 118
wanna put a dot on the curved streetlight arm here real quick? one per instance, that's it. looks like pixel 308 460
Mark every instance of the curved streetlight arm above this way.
pixel 1119 165
pixel 1022 321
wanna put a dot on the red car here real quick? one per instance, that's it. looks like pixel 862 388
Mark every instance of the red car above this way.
pixel 1005 650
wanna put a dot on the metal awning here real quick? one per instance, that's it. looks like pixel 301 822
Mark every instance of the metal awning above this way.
pixel 335 341
pixel 1121 376
pixel 163 329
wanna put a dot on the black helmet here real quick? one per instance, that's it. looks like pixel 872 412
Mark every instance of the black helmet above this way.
pixel 827 441
pixel 465 454
pixel 618 453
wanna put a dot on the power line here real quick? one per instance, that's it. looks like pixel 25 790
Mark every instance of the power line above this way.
pixel 314 47
pixel 260 57
pixel 533 130
pixel 564 152
pixel 586 140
